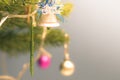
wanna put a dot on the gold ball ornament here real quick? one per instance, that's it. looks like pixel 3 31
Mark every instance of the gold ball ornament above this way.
pixel 67 68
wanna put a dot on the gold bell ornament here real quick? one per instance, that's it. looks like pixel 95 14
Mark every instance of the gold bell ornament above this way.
pixel 48 20
pixel 67 67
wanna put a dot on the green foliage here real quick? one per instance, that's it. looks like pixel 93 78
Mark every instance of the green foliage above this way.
pixel 18 39
pixel 12 6
pixel 17 36
pixel 15 32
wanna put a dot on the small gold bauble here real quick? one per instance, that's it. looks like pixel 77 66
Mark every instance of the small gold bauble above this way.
pixel 67 68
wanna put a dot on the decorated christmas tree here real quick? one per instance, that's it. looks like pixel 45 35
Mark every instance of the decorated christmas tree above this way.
pixel 29 25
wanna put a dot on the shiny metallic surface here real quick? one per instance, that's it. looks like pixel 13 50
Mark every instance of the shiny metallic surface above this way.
pixel 67 68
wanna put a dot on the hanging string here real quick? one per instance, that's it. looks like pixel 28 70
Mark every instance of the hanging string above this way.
pixel 42 50
pixel 43 39
pixel 28 12
pixel 43 36
pixel 67 57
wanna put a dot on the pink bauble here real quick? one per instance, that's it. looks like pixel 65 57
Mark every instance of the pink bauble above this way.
pixel 44 61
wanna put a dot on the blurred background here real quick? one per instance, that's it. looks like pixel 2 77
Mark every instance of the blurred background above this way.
pixel 94 28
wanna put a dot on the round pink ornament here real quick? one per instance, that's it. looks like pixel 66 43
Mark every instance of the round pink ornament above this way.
pixel 44 61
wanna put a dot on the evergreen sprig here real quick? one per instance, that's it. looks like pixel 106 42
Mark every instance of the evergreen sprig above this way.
pixel 17 40
pixel 15 32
